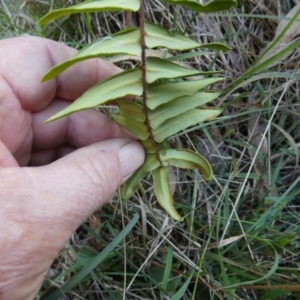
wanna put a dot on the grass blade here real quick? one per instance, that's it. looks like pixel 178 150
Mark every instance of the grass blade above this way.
pixel 75 280
pixel 168 268
pixel 179 294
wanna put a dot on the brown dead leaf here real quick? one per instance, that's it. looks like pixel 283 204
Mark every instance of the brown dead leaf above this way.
pixel 260 142
pixel 235 61
pixel 291 34
pixel 225 242
pixel 294 29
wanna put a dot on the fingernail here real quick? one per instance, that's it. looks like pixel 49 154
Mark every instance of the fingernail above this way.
pixel 131 157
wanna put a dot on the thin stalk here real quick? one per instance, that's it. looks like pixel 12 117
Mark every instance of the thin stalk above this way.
pixel 144 81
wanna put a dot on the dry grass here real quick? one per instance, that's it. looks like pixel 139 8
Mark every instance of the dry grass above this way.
pixel 240 233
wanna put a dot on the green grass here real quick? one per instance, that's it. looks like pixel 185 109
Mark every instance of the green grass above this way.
pixel 240 235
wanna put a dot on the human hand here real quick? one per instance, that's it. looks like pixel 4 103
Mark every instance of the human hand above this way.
pixel 76 163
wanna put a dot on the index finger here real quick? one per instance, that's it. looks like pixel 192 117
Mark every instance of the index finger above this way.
pixel 27 59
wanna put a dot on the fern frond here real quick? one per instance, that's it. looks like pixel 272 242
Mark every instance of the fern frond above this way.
pixel 165 102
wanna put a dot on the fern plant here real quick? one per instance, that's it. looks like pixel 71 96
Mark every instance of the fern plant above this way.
pixel 165 103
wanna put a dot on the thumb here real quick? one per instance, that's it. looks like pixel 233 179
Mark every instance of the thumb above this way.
pixel 79 183
pixel 42 206
pixel 65 192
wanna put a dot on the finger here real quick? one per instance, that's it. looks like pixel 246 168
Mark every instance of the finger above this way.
pixel 42 157
pixel 74 186
pixel 79 129
pixel 6 158
pixel 60 196
pixel 24 66
pixel 15 123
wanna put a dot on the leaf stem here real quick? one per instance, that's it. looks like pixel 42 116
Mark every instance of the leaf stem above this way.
pixel 144 81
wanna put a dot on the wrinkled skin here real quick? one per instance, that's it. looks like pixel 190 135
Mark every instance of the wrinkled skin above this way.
pixel 52 176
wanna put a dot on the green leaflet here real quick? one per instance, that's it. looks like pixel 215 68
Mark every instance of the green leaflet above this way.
pixel 148 146
pixel 187 159
pixel 127 42
pixel 128 83
pixel 183 121
pixel 157 68
pixel 211 6
pixel 130 186
pixel 124 42
pixel 156 36
pixel 163 193
pixel 92 6
pixel 138 128
pixel 132 110
pixel 179 106
pixel 160 93
pixel 216 46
